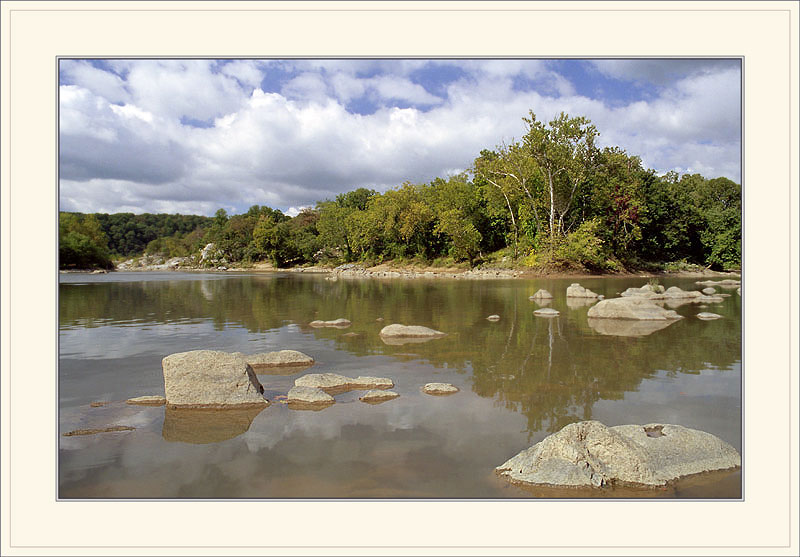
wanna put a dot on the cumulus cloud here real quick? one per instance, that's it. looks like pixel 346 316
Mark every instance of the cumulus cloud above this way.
pixel 192 136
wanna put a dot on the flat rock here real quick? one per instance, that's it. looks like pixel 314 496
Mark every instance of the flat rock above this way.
pixel 439 389
pixel 541 294
pixel 592 454
pixel 341 383
pixel 95 431
pixel 575 290
pixel 493 318
pixel 725 283
pixel 547 312
pixel 208 378
pixel 148 400
pixel 631 308
pixel 409 331
pixel 337 323
pixel 378 396
pixel 708 291
pixel 707 315
pixel 308 395
pixel 279 358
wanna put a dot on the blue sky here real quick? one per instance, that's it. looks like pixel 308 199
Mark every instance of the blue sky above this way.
pixel 193 136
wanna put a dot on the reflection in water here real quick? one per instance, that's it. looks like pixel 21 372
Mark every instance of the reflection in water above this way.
pixel 627 327
pixel 538 375
pixel 400 341
pixel 202 426
pixel 577 303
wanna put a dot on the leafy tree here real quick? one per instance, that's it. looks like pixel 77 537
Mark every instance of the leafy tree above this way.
pixel 82 244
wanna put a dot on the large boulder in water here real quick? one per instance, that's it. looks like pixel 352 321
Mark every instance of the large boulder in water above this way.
pixel 575 290
pixel 591 454
pixel 541 294
pixel 207 378
pixel 633 307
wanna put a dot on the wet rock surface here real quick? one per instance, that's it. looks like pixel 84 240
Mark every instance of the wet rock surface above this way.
pixel 340 323
pixel 147 400
pixel 375 396
pixel 439 389
pixel 585 454
pixel 308 395
pixel 396 330
pixel 333 382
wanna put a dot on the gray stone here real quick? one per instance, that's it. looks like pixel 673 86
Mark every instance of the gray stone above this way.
pixel 337 323
pixel 706 315
pixel 278 358
pixel 409 331
pixel 575 290
pixel 708 291
pixel 591 454
pixel 540 294
pixel 207 378
pixel 493 318
pixel 439 389
pixel 378 396
pixel 546 312
pixel 308 395
pixel 341 383
pixel 148 400
pixel 633 307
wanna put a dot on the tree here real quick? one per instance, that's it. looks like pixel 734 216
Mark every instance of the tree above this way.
pixel 81 242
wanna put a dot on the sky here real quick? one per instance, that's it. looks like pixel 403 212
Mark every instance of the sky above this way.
pixel 193 136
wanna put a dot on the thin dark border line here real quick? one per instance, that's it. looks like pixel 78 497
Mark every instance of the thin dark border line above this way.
pixel 741 499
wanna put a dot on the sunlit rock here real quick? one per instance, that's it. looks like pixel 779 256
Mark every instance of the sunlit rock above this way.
pixel 493 318
pixel 708 291
pixel 546 312
pixel 308 395
pixel 202 425
pixel 375 396
pixel 633 307
pixel 575 290
pixel 396 330
pixel 541 294
pixel 340 323
pixel 278 359
pixel 341 383
pixel 439 389
pixel 586 454
pixel 208 378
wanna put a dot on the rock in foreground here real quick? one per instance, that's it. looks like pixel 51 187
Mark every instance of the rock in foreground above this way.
pixel 409 331
pixel 211 379
pixel 439 389
pixel 633 307
pixel 585 454
pixel 280 358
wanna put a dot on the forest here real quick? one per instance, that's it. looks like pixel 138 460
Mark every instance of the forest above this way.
pixel 552 201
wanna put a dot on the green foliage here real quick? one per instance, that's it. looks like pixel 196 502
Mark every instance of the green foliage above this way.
pixel 82 244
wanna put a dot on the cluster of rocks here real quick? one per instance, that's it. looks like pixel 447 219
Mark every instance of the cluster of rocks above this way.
pixel 673 293
pixel 358 271
pixel 154 263
pixel 590 454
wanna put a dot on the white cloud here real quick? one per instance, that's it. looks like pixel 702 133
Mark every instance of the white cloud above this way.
pixel 291 148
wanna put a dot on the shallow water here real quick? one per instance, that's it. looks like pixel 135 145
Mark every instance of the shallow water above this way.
pixel 520 379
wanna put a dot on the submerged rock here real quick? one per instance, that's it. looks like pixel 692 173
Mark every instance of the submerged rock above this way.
pixel 148 400
pixel 208 378
pixel 439 389
pixel 493 318
pixel 308 395
pixel 337 323
pixel 396 330
pixel 280 358
pixel 725 283
pixel 541 294
pixel 340 383
pixel 708 315
pixel 95 431
pixel 375 396
pixel 547 312
pixel 631 308
pixel 592 454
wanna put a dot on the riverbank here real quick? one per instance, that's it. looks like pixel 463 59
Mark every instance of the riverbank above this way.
pixel 388 270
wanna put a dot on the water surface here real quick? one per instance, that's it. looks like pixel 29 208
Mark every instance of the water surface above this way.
pixel 520 379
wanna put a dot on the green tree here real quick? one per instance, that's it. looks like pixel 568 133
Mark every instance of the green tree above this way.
pixel 82 244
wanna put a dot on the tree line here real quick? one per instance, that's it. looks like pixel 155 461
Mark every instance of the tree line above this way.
pixel 553 201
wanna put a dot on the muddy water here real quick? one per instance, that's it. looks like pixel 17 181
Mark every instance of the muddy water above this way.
pixel 520 379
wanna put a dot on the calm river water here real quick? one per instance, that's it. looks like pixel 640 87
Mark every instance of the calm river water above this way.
pixel 521 378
